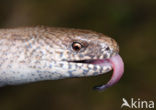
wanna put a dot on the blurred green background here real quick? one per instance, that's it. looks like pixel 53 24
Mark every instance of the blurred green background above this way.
pixel 131 22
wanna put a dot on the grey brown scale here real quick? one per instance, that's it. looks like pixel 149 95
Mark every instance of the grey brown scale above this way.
pixel 33 54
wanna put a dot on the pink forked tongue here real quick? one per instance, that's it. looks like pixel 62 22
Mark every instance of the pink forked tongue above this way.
pixel 118 69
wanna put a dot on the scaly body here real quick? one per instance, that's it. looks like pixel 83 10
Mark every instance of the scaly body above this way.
pixel 42 53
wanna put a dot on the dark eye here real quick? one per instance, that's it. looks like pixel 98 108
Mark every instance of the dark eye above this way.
pixel 76 46
pixel 107 48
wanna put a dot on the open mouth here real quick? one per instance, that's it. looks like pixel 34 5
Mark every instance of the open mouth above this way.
pixel 96 61
pixel 116 63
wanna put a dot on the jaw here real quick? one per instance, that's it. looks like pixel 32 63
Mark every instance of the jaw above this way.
pixel 92 67
pixel 105 65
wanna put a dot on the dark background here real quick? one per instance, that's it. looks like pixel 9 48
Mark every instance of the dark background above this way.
pixel 131 22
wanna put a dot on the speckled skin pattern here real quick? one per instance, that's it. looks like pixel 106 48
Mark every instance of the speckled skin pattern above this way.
pixel 33 54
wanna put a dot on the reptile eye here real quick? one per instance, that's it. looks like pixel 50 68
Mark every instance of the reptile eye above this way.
pixel 107 48
pixel 76 46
